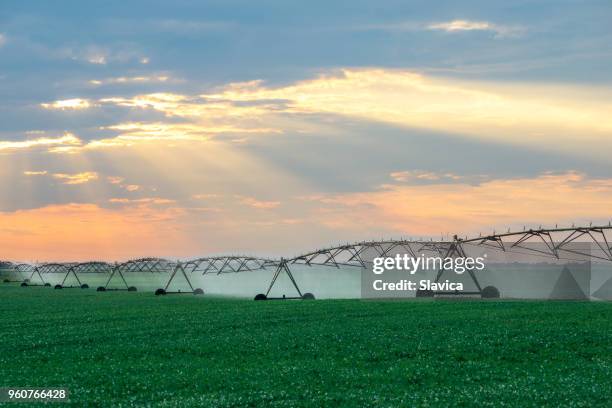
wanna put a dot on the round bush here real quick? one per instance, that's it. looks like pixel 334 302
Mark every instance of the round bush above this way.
pixel 261 296
pixel 48 285
pixel 6 280
pixel 490 292
pixel 84 286
pixel 308 296
pixel 132 289
pixel 198 291
pixel 160 292
pixel 101 289
pixel 58 286
pixel 24 284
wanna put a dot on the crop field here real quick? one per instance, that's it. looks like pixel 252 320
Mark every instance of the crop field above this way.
pixel 125 349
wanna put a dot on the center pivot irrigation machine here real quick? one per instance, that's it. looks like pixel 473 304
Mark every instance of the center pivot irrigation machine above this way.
pixel 146 272
pixel 60 275
pixel 178 270
pixel 34 276
pixel 215 265
pixel 11 273
pixel 133 270
pixel 357 255
pixel 89 274
pixel 577 244
pixel 218 265
pixel 585 245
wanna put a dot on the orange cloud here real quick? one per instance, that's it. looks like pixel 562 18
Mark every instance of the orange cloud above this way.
pixel 431 209
pixel 87 231
pixel 159 226
pixel 78 178
pixel 115 179
pixel 152 200
pixel 253 202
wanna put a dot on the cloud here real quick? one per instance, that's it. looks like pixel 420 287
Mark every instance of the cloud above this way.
pixel 421 175
pixel 201 106
pixel 466 25
pixel 461 25
pixel 262 205
pixel 129 80
pixel 59 144
pixel 82 232
pixel 76 103
pixel 162 101
pixel 99 59
pixel 77 178
pixel 205 196
pixel 102 55
pixel 131 187
pixel 454 26
pixel 554 116
pixel 115 179
pixel 152 200
pixel 566 118
pixel 430 209
pixel 2 39
pixel 156 225
pixel 132 133
pixel 570 119
pixel 35 173
pixel 119 182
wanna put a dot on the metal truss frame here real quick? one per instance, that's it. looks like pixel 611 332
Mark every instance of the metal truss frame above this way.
pixel 455 250
pixel 350 255
pixel 228 264
pixel 33 270
pixel 555 242
pixel 283 266
pixel 11 267
pixel 26 270
pixel 150 265
pixel 214 265
pixel 178 268
pixel 92 267
pixel 61 268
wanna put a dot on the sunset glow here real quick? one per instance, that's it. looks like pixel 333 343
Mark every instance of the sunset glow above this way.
pixel 219 137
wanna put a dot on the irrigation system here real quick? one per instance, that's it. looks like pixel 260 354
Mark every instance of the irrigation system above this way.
pixel 578 244
pixel 10 272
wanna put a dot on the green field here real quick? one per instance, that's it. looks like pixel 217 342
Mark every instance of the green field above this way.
pixel 125 349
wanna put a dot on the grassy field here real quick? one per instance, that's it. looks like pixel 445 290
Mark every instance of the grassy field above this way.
pixel 125 349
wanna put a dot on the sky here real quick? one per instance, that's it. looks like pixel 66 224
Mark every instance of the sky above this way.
pixel 189 128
